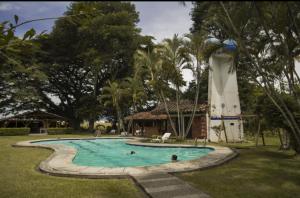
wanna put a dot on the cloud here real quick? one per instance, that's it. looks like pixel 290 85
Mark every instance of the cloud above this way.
pixel 159 19
pixel 164 19
pixel 6 6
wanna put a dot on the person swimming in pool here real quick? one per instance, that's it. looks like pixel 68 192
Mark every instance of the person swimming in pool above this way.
pixel 131 152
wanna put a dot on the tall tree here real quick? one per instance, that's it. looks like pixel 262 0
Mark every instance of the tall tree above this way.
pixel 148 62
pixel 113 95
pixel 175 58
pixel 194 48
pixel 82 53
pixel 17 66
pixel 267 35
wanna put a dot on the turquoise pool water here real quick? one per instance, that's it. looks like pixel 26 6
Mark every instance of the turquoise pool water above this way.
pixel 116 153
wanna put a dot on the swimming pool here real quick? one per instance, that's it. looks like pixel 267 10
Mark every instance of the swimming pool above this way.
pixel 116 153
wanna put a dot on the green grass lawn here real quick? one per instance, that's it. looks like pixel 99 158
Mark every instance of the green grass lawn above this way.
pixel 19 177
pixel 256 172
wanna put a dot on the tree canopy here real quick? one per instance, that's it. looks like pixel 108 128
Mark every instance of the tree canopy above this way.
pixel 82 53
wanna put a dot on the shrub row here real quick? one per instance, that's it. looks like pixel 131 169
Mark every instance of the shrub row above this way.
pixel 14 131
pixel 57 131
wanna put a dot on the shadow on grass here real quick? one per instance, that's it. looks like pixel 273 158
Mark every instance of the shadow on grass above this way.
pixel 256 172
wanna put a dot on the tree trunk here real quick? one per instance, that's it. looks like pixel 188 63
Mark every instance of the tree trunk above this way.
pixel 257 133
pixel 295 145
pixel 75 123
pixel 131 118
pixel 119 119
pixel 178 112
pixel 263 138
pixel 286 140
pixel 280 138
pixel 169 116
pixel 195 102
pixel 91 124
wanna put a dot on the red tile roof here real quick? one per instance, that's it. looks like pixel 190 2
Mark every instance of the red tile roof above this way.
pixel 159 113
pixel 185 106
pixel 146 116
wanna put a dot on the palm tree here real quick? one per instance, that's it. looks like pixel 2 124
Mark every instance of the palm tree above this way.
pixel 136 91
pixel 175 58
pixel 112 96
pixel 194 47
pixel 149 62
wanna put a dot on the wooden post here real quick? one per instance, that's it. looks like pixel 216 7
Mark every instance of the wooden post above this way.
pixel 182 125
pixel 280 138
pixel 257 133
pixel 223 125
pixel 143 127
pixel 263 138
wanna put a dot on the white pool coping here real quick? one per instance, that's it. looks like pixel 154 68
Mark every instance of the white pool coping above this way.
pixel 60 162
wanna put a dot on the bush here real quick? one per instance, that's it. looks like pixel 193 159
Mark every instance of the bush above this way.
pixel 100 127
pixel 14 131
pixel 156 136
pixel 57 131
pixel 108 129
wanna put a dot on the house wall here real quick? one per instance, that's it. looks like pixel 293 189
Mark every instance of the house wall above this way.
pixel 199 127
pixel 156 128
pixel 149 131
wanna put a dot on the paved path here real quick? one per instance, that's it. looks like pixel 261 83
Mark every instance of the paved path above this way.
pixel 166 186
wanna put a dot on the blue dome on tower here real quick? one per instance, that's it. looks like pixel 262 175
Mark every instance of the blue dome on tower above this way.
pixel 230 45
pixel 212 41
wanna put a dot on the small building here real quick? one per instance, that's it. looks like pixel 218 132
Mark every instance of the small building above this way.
pixel 35 120
pixel 156 122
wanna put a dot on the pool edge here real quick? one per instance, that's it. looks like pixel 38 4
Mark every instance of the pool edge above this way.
pixel 59 163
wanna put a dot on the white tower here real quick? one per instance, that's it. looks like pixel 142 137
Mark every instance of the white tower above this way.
pixel 223 97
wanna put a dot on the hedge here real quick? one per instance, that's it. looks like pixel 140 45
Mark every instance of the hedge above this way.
pixel 14 131
pixel 57 131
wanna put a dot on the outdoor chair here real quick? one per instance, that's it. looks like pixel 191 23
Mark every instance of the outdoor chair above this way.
pixel 124 133
pixel 165 137
pixel 113 131
pixel 43 130
pixel 138 132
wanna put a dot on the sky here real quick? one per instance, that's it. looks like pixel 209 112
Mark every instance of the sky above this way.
pixel 159 19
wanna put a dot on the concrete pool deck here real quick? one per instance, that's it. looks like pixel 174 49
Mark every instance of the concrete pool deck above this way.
pixel 60 162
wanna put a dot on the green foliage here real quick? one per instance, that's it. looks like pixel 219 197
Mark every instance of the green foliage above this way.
pixel 29 34
pixel 14 131
pixel 268 38
pixel 18 66
pixel 82 53
pixel 114 95
pixel 272 116
pixel 108 129
pixel 203 87
pixel 136 91
pixel 57 131
pixel 101 127
pixel 175 57
pixel 16 19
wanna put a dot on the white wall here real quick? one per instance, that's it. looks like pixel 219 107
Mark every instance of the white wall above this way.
pixel 223 98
